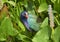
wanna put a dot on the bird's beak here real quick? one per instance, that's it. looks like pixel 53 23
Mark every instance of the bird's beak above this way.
pixel 26 16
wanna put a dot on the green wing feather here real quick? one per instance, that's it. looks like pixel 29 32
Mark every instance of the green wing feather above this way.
pixel 32 22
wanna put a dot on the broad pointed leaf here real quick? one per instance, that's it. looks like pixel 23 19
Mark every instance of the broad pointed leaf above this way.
pixel 7 29
pixel 56 35
pixel 43 7
pixel 45 22
pixel 43 35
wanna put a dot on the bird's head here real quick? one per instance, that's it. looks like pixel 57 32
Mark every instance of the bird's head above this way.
pixel 24 15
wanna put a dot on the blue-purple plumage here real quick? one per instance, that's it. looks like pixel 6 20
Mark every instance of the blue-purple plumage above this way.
pixel 24 20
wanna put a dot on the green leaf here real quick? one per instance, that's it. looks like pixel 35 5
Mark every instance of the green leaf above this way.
pixel 23 38
pixel 43 7
pixel 53 1
pixel 7 29
pixel 2 35
pixel 42 35
pixel 57 6
pixel 11 2
pixel 30 5
pixel 24 3
pixel 44 23
pixel 56 35
pixel 21 25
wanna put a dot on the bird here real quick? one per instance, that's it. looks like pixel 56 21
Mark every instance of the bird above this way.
pixel 30 21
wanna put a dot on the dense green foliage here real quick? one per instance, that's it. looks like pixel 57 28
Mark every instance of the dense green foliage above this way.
pixel 12 29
